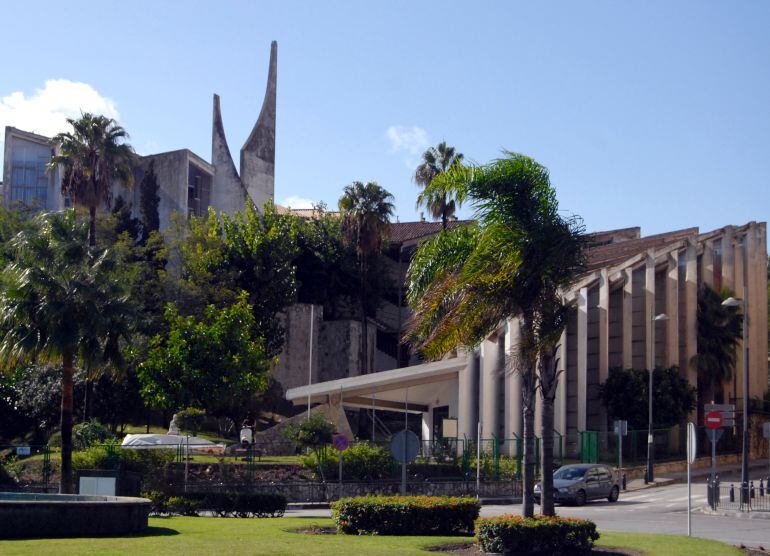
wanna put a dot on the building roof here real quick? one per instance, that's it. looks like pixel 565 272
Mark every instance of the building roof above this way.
pixel 612 254
pixel 401 232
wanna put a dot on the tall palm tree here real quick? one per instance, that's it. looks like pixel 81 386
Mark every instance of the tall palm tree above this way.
pixel 94 155
pixel 719 329
pixel 366 210
pixel 62 302
pixel 464 283
pixel 435 161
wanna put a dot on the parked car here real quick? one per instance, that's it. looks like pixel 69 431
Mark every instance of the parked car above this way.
pixel 579 483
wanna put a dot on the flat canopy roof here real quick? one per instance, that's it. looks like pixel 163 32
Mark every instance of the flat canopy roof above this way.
pixel 384 381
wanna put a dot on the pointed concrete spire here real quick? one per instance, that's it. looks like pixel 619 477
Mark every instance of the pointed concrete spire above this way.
pixel 258 153
pixel 227 192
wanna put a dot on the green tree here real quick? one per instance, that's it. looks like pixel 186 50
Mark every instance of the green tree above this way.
pixel 719 329
pixel 214 362
pixel 62 302
pixel 94 155
pixel 223 255
pixel 149 200
pixel 366 210
pixel 437 160
pixel 313 433
pixel 625 394
pixel 465 282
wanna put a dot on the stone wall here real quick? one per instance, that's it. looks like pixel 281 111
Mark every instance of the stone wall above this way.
pixel 293 362
pixel 339 346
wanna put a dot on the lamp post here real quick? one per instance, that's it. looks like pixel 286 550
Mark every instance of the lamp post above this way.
pixel 650 440
pixel 733 302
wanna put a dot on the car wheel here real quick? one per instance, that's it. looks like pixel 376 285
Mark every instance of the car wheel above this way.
pixel 580 498
pixel 614 493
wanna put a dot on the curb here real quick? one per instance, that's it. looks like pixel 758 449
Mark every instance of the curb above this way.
pixel 733 513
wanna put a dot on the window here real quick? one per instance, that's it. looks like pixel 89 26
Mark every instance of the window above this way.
pixel 29 180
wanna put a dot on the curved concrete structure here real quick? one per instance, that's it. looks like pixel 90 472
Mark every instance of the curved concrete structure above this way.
pixel 70 515
pixel 227 192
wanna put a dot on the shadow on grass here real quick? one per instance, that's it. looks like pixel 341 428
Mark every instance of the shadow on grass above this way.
pixel 149 532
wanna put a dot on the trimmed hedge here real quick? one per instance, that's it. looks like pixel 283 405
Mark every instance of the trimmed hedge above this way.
pixel 405 515
pixel 535 535
pixel 224 504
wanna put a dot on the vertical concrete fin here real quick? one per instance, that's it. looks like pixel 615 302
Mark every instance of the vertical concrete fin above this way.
pixel 258 152
pixel 227 192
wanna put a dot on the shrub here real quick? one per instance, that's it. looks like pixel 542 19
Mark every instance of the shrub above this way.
pixel 363 461
pixel 158 502
pixel 405 515
pixel 190 419
pixel 183 505
pixel 89 433
pixel 535 535
pixel 151 464
pixel 240 504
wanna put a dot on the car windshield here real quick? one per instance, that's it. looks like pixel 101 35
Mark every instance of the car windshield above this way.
pixel 569 473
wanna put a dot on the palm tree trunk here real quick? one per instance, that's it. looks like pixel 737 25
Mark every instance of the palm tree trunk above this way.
pixel 92 226
pixel 65 486
pixel 364 328
pixel 528 392
pixel 546 447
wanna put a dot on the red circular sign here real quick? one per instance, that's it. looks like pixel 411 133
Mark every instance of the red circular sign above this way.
pixel 714 419
pixel 340 442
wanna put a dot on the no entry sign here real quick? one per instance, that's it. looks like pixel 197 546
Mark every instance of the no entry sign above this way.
pixel 714 419
pixel 340 442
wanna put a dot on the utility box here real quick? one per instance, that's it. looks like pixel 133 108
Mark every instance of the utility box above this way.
pixel 108 482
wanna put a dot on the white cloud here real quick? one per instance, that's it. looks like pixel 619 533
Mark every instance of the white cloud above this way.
pixel 46 110
pixel 297 202
pixel 413 140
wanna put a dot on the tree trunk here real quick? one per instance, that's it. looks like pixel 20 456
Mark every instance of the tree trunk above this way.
pixel 528 475
pixel 549 376
pixel 92 226
pixel 65 486
pixel 364 329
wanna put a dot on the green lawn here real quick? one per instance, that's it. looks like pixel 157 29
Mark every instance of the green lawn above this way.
pixel 232 536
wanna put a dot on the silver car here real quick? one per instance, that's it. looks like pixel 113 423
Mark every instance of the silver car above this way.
pixel 582 482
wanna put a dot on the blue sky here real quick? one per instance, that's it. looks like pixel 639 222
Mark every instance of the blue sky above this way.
pixel 646 113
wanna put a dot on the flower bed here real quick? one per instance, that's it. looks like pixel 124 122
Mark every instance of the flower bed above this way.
pixel 535 535
pixel 405 515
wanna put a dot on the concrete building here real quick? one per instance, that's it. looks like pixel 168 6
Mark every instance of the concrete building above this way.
pixel 188 184
pixel 629 279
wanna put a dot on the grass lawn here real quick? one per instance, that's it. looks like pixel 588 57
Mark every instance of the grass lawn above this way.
pixel 232 536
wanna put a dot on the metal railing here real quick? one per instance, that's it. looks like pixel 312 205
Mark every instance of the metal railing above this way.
pixel 751 497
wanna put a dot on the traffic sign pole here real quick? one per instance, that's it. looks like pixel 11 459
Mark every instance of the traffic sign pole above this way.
pixel 692 451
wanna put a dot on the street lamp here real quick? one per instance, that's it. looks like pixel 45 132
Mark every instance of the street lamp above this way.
pixel 733 302
pixel 650 444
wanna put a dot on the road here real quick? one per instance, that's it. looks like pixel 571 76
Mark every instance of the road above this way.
pixel 661 510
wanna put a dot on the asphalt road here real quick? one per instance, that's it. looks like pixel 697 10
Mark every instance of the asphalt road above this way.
pixel 661 510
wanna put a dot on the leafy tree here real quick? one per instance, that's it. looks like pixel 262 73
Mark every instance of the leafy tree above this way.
pixel 435 161
pixel 62 302
pixel 190 419
pixel 366 210
pixel 214 362
pixel 625 394
pixel 312 433
pixel 149 200
pixel 125 223
pixel 222 256
pixel 719 329
pixel 465 282
pixel 94 155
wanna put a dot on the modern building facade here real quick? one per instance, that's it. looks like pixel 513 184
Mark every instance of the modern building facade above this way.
pixel 188 184
pixel 629 280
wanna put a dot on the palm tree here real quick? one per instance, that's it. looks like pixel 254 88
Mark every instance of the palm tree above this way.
pixel 62 302
pixel 719 329
pixel 464 283
pixel 93 156
pixel 435 161
pixel 366 210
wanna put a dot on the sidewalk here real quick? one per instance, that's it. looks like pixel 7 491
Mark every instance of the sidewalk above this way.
pixel 727 473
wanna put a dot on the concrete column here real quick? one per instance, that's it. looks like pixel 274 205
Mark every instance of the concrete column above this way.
pixel 756 278
pixel 582 358
pixel 427 425
pixel 467 398
pixel 560 409
pixel 728 258
pixel 691 311
pixel 491 369
pixel 672 309
pixel 760 372
pixel 628 317
pixel 707 264
pixel 649 308
pixel 732 389
pixel 513 416
pixel 604 326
